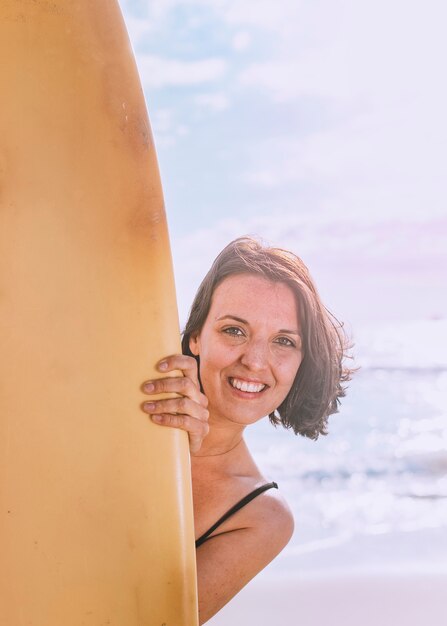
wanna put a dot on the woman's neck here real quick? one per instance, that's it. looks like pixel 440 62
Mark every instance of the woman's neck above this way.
pixel 220 440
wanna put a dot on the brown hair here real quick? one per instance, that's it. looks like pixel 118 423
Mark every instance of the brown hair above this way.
pixel 317 387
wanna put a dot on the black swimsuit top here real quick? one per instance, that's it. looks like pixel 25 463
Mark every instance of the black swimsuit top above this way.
pixel 248 498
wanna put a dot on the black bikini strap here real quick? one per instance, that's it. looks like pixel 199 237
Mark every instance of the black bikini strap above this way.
pixel 245 500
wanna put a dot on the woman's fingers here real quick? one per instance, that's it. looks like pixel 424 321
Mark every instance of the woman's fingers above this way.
pixel 182 385
pixel 187 364
pixel 178 406
pixel 195 428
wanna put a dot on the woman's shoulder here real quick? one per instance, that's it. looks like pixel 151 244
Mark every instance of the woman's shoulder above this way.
pixel 269 512
pixel 270 516
pixel 259 509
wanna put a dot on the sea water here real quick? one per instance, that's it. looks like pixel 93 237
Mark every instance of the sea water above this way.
pixel 372 494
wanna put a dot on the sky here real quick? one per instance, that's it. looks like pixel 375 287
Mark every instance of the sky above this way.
pixel 317 125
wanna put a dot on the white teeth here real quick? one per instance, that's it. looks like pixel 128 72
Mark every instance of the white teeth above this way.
pixel 244 386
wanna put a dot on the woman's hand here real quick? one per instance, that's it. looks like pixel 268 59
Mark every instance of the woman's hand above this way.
pixel 189 410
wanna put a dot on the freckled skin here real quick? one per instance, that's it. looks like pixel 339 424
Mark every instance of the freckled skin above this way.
pixel 255 351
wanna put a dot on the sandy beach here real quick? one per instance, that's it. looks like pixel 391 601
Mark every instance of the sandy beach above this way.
pixel 340 600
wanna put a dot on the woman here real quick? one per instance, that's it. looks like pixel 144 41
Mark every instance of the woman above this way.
pixel 258 342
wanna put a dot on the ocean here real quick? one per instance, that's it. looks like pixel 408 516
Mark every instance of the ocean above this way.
pixel 371 496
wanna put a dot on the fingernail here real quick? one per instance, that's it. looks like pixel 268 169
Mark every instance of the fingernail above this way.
pixel 150 406
pixel 157 418
pixel 149 387
pixel 163 365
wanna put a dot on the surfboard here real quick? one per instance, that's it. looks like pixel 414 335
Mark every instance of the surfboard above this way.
pixel 96 523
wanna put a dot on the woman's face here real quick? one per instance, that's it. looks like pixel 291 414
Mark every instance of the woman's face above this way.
pixel 249 348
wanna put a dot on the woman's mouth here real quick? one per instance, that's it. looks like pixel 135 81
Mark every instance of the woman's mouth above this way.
pixel 246 386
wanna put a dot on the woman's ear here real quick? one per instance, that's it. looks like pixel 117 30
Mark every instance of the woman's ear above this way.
pixel 194 344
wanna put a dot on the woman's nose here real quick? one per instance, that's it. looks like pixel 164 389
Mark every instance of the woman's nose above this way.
pixel 255 355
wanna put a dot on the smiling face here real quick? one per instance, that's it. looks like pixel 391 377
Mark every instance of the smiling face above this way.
pixel 249 348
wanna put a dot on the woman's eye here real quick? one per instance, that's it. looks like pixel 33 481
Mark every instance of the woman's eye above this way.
pixel 233 331
pixel 285 341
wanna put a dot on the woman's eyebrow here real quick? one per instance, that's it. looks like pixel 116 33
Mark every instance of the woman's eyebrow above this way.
pixel 242 321
pixel 232 317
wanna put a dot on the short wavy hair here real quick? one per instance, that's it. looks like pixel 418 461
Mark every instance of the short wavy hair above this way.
pixel 318 386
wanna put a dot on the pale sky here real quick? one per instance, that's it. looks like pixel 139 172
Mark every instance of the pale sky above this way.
pixel 318 125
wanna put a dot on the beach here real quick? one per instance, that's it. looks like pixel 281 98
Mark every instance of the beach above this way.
pixel 340 600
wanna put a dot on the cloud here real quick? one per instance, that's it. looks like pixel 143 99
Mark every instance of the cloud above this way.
pixel 378 162
pixel 268 15
pixel 321 74
pixel 158 72
pixel 378 52
pixel 381 148
pixel 241 40
pixel 215 102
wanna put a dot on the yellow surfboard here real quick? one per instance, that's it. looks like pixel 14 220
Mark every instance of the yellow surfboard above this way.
pixel 96 522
